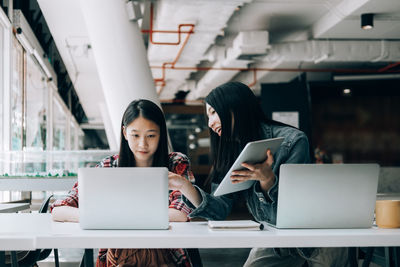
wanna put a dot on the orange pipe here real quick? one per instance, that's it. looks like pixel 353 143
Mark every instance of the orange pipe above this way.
pixel 164 67
pixel 278 69
pixel 166 31
pixel 180 26
pixel 200 102
pixel 161 81
pixel 389 67
pixel 254 78
pixel 172 64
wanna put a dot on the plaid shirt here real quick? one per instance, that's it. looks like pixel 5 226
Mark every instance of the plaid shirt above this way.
pixel 179 164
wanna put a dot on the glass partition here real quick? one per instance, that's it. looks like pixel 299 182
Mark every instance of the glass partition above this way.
pixel 17 96
pixel 48 163
pixel 36 108
pixel 2 61
pixel 73 133
pixel 81 138
pixel 59 125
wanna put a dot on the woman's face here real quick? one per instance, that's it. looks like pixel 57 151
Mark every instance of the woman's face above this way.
pixel 214 121
pixel 143 136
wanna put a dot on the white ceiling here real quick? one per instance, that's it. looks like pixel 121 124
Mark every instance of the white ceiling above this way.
pixel 302 34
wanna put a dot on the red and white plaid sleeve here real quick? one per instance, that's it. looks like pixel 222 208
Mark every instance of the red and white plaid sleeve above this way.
pixel 180 164
pixel 71 199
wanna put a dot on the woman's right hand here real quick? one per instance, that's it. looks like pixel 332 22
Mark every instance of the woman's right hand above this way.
pixel 65 214
pixel 176 181
pixel 180 183
pixel 261 172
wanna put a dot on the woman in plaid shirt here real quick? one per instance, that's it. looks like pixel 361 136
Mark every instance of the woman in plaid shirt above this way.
pixel 144 143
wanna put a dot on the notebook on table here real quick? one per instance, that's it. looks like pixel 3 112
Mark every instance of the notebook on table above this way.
pixel 123 198
pixel 327 195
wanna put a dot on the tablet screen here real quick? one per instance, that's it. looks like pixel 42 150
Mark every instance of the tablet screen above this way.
pixel 253 152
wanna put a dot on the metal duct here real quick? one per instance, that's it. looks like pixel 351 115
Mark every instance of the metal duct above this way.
pixel 293 55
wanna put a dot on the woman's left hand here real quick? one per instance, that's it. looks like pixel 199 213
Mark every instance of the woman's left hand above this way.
pixel 261 172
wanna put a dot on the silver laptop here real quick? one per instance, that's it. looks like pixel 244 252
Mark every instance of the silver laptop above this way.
pixel 123 198
pixel 327 195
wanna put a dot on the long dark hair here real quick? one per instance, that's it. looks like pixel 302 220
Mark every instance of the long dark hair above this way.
pixel 150 111
pixel 237 106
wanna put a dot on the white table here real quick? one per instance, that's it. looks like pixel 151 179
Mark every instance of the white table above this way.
pixel 26 231
pixel 49 234
pixel 37 183
pixel 197 235
pixel 13 207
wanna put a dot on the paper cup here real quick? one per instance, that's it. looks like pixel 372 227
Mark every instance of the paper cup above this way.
pixel 387 213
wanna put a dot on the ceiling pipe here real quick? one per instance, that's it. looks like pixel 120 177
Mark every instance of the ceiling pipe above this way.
pixel 390 66
pixel 161 81
pixel 179 31
pixel 292 58
pixel 292 70
pixel 254 78
pixel 171 64
pixel 246 46
pixel 278 69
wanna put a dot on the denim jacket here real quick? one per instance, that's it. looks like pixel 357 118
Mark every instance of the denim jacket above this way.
pixel 294 149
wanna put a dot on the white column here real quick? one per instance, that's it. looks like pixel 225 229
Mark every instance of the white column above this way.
pixel 120 55
pixel 111 137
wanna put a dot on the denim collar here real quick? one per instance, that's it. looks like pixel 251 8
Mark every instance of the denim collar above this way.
pixel 267 130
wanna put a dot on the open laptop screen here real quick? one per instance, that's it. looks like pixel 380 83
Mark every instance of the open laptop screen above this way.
pixel 123 198
pixel 327 195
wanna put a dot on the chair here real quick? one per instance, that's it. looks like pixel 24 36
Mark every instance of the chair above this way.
pixel 32 257
pixel 383 256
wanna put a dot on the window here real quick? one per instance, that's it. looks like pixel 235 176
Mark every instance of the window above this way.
pixel 72 134
pixel 36 107
pixel 2 85
pixel 59 125
pixel 17 97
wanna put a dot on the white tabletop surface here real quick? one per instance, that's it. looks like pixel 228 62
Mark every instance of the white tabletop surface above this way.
pixel 28 231
pixel 13 207
pixel 37 183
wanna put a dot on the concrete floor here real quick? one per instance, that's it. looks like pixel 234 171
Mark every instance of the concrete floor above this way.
pixel 224 257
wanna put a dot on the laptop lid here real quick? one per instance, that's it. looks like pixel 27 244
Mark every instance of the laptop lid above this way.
pixel 123 198
pixel 327 195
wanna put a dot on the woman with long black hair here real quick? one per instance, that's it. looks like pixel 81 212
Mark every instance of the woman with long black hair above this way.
pixel 144 143
pixel 235 118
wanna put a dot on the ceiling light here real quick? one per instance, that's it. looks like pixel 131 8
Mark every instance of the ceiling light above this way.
pixel 367 21
pixel 346 91
pixel 192 146
pixel 366 77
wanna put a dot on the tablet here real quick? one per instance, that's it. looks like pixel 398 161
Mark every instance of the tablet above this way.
pixel 253 152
